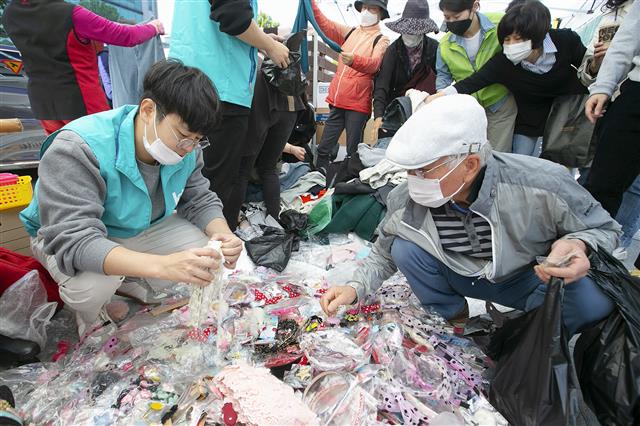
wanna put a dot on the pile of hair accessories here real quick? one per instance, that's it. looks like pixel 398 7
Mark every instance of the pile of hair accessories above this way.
pixel 255 348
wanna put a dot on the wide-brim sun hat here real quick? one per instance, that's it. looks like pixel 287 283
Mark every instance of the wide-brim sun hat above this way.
pixel 415 19
pixel 382 4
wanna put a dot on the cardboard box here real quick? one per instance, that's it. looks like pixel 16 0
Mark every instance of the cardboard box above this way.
pixel 323 92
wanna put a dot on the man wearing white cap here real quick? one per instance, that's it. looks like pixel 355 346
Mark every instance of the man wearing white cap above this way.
pixel 470 222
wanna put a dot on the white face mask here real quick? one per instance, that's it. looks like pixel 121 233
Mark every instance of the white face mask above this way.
pixel 158 150
pixel 427 192
pixel 517 52
pixel 368 19
pixel 411 40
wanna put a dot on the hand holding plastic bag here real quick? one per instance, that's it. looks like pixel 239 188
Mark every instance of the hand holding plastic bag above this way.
pixel 535 381
pixel 289 80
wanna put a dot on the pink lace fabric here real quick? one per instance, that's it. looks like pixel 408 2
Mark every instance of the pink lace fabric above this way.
pixel 259 398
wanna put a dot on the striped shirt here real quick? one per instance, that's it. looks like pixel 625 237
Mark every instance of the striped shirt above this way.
pixel 463 231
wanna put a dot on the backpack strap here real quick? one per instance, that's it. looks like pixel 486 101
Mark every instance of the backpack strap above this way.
pixel 376 40
pixel 348 34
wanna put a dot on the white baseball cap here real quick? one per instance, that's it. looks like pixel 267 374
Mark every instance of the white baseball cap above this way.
pixel 449 125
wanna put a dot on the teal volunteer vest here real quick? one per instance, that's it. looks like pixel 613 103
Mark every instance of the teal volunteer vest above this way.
pixel 197 41
pixel 127 205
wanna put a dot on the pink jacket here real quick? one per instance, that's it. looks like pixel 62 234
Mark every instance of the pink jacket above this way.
pixel 352 86
pixel 89 26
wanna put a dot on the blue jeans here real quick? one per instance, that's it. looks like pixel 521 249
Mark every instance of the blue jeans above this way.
pixel 441 289
pixel 527 145
pixel 629 213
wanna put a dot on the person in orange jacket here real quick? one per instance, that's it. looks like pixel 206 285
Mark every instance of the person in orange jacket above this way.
pixel 351 89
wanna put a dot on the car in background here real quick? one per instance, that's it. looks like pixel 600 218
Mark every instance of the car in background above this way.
pixel 19 152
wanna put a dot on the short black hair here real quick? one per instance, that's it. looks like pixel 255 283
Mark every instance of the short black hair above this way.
pixel 456 5
pixel 514 3
pixel 529 19
pixel 184 91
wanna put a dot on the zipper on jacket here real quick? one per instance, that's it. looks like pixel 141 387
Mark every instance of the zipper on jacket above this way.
pixel 252 58
pixel 482 48
pixel 493 248
pixel 466 55
pixel 344 68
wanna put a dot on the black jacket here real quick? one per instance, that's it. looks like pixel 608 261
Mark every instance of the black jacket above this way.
pixel 234 16
pixel 534 93
pixel 43 33
pixel 391 81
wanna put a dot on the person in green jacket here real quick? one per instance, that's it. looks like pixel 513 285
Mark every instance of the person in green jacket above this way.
pixel 470 42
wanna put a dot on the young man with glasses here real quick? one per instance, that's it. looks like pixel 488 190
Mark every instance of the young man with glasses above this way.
pixel 121 203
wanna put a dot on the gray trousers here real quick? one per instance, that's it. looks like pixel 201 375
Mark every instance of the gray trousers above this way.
pixel 341 119
pixel 501 124
pixel 87 292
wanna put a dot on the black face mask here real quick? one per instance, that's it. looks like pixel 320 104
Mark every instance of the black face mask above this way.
pixel 460 27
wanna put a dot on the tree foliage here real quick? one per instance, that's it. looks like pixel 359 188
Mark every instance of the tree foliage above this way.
pixel 100 8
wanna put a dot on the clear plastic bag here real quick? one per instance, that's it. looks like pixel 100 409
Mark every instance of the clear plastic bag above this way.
pixel 332 349
pixel 203 298
pixel 25 310
pixel 338 398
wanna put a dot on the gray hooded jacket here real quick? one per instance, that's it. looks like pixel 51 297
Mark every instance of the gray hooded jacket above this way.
pixel 529 203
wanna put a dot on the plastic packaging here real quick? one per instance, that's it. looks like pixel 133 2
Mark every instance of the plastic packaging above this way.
pixel 272 249
pixel 320 216
pixel 293 221
pixel 203 298
pixel 290 81
pixel 156 368
pixel 25 310
pixel 612 346
pixel 338 399
pixel 332 350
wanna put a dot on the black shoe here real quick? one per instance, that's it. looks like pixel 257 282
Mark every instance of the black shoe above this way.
pixel 17 350
pixel 8 414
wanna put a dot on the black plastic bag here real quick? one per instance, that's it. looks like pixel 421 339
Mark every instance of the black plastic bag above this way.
pixel 290 81
pixel 396 114
pixel 608 356
pixel 535 381
pixel 272 249
pixel 293 221
pixel 305 126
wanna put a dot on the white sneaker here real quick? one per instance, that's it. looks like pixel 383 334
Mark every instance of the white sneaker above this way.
pixel 140 291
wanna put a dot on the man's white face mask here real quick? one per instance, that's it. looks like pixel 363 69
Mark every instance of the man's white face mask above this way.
pixel 368 18
pixel 158 149
pixel 427 192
